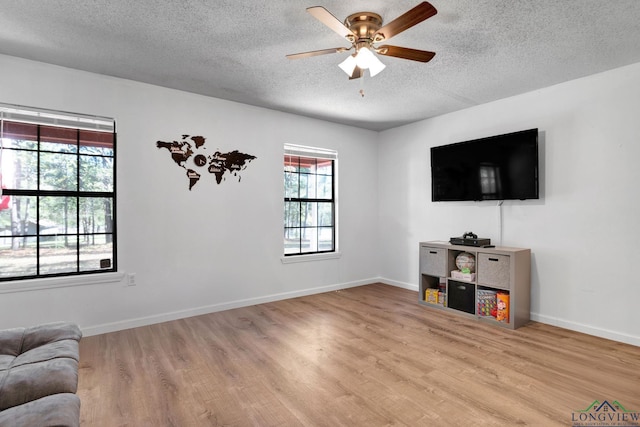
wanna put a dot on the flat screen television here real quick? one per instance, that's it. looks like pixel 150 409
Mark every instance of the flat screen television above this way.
pixel 502 167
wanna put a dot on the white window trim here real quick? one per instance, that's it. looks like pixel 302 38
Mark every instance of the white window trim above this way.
pixel 310 257
pixel 59 282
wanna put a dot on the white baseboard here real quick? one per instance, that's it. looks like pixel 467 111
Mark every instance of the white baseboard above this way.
pixel 398 284
pixel 586 329
pixel 197 311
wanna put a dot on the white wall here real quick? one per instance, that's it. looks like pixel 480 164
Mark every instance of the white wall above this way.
pixel 217 246
pixel 583 231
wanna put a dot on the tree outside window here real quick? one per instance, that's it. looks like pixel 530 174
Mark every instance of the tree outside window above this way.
pixel 309 203
pixel 58 202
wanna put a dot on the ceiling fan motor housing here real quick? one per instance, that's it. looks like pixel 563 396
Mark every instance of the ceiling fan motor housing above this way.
pixel 364 25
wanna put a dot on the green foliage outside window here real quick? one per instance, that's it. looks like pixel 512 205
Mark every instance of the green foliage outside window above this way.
pixel 57 215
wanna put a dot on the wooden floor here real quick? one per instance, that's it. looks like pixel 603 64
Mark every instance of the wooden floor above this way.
pixel 366 356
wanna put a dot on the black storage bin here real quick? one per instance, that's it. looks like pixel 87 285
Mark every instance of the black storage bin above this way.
pixel 462 296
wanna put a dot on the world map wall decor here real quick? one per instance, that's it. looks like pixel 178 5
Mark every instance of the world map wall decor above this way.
pixel 190 155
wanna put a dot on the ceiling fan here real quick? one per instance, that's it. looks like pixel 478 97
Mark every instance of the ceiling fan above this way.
pixel 363 30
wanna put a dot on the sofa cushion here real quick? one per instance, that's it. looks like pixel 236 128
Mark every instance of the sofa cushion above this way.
pixel 61 410
pixel 66 349
pixel 19 340
pixel 33 381
pixel 38 361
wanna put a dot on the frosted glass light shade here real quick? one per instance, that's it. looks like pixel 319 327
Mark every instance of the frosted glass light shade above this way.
pixel 348 65
pixel 375 66
pixel 364 58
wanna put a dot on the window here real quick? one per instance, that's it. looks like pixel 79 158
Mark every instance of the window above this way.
pixel 490 181
pixel 57 210
pixel 309 200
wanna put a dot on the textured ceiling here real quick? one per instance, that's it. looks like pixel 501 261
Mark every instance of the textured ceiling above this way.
pixel 235 50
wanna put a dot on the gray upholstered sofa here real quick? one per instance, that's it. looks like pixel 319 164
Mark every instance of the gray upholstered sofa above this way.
pixel 39 376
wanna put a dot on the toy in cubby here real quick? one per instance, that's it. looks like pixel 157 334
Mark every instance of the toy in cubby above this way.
pixel 487 303
pixel 431 296
pixel 502 314
pixel 442 292
pixel 466 264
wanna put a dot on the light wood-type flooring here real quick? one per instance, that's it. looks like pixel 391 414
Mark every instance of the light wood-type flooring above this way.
pixel 365 356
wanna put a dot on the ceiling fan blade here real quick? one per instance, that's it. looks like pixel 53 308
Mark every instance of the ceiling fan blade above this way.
pixel 406 53
pixel 316 53
pixel 324 16
pixel 357 73
pixel 416 15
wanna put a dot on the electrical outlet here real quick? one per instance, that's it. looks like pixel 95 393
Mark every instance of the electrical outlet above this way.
pixel 131 279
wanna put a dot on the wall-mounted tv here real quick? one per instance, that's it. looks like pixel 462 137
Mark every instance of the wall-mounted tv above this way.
pixel 502 167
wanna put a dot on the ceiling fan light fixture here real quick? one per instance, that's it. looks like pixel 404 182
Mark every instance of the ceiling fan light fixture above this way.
pixel 348 65
pixel 375 66
pixel 364 58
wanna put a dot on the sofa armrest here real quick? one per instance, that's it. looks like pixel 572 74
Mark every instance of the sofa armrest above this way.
pixel 11 342
pixel 37 336
pixel 16 341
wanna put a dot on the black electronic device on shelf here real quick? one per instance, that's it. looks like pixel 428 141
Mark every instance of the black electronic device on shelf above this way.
pixel 469 239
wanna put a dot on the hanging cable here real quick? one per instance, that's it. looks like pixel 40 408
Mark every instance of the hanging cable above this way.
pixel 500 224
